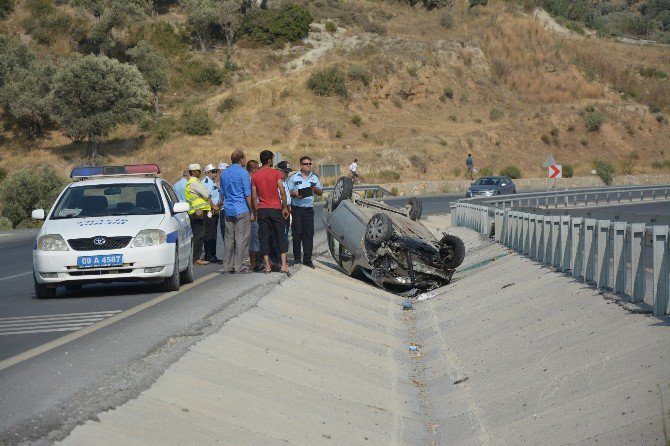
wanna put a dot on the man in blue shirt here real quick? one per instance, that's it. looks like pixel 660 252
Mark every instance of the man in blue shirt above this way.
pixel 180 186
pixel 212 223
pixel 303 185
pixel 239 212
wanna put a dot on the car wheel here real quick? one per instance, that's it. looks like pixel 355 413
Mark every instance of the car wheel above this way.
pixel 454 254
pixel 415 208
pixel 379 229
pixel 42 291
pixel 186 276
pixel 172 283
pixel 344 189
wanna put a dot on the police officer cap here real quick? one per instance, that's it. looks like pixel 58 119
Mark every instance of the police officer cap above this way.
pixel 209 167
pixel 194 166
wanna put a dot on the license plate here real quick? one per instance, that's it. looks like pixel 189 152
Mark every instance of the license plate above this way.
pixel 101 261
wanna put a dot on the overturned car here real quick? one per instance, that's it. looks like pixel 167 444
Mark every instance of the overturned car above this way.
pixel 388 245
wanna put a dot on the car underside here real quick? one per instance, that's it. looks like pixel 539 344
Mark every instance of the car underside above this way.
pixel 388 245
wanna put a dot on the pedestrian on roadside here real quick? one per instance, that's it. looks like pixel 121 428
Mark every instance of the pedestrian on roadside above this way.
pixel 239 213
pixel 303 185
pixel 197 196
pixel 284 168
pixel 470 164
pixel 180 185
pixel 353 168
pixel 222 219
pixel 254 241
pixel 272 209
pixel 212 223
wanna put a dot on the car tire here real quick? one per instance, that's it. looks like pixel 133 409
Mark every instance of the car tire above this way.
pixel 344 189
pixel 42 291
pixel 457 248
pixel 379 229
pixel 172 283
pixel 415 208
pixel 186 276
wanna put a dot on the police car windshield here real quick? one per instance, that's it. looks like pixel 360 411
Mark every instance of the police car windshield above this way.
pixel 104 200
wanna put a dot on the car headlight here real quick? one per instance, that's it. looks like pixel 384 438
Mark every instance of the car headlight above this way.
pixel 148 237
pixel 52 242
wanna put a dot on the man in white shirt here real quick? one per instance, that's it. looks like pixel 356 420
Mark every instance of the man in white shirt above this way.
pixel 353 168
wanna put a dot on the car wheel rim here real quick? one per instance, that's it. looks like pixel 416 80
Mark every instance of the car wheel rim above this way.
pixel 375 229
pixel 337 193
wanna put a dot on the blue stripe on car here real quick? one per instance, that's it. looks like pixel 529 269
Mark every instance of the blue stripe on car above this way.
pixel 172 237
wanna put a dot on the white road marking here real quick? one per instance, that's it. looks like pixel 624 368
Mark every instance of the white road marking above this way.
pixel 51 322
pixel 15 276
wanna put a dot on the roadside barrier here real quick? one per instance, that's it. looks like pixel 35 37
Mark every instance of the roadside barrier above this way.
pixel 607 255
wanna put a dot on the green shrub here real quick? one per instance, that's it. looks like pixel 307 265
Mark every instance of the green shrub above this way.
pixel 653 107
pixel 456 172
pixel 605 171
pixel 5 224
pixel 593 120
pixel 162 36
pixel 388 175
pixel 447 20
pixel 356 120
pixel 328 82
pixel 360 73
pixel 546 138
pixel 660 119
pixel 418 162
pixel 289 23
pixel 163 128
pixel 39 188
pixel 228 104
pixel 568 171
pixel 485 172
pixel 453 118
pixel 474 3
pixel 413 71
pixel 575 27
pixel 653 72
pixel 29 223
pixel 661 164
pixel 3 174
pixel 6 8
pixel 495 114
pixel 196 122
pixel 589 109
pixel 511 171
pixel 331 26
pixel 394 191
pixel 206 74
pixel 447 93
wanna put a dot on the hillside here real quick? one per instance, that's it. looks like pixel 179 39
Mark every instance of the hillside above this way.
pixel 423 88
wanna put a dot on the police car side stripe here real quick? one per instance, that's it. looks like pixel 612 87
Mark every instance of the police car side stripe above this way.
pixel 171 237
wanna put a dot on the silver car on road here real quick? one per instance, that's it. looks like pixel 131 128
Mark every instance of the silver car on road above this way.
pixel 388 245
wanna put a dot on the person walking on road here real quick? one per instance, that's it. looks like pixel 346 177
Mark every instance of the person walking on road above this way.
pixel 239 212
pixel 303 185
pixel 197 196
pixel 272 209
pixel 212 223
pixel 353 168
pixel 470 164
pixel 180 185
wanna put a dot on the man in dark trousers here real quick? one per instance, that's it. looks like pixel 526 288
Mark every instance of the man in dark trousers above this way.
pixel 271 207
pixel 303 185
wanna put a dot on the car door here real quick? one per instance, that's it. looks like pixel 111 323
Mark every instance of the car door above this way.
pixel 183 223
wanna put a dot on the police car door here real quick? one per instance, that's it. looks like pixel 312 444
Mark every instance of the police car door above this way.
pixel 183 224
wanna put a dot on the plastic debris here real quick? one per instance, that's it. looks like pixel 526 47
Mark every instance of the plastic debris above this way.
pixel 407 305
pixel 414 348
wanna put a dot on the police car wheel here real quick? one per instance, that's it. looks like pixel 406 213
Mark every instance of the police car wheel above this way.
pixel 172 283
pixel 42 291
pixel 186 276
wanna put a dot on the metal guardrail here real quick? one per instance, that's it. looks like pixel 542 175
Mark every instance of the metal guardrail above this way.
pixel 371 190
pixel 607 255
pixel 577 197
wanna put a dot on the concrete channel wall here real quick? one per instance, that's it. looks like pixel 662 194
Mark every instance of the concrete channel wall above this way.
pixel 510 353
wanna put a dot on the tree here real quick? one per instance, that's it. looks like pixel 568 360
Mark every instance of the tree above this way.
pixel 229 17
pixel 13 55
pixel 201 15
pixel 113 15
pixel 34 194
pixel 6 8
pixel 153 66
pixel 93 94
pixel 26 97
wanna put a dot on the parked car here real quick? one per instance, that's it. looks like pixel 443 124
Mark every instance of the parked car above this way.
pixel 489 186
pixel 388 245
pixel 115 223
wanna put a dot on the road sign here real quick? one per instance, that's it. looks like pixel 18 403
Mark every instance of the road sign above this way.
pixel 551 161
pixel 556 171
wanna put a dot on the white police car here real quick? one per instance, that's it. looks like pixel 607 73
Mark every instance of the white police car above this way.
pixel 117 223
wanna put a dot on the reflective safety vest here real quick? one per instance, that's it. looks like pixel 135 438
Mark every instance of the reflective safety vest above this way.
pixel 194 200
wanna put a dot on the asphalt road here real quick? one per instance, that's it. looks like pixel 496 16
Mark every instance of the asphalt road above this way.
pixel 47 387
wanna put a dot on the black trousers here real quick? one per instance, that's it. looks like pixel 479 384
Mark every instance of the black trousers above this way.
pixel 211 226
pixel 198 228
pixel 302 230
pixel 271 225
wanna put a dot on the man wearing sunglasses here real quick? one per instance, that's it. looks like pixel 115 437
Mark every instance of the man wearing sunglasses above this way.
pixel 303 185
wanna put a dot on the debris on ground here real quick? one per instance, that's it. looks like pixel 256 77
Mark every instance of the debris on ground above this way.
pixel 407 305
pixel 459 381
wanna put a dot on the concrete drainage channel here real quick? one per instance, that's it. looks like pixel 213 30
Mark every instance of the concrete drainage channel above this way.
pixel 509 353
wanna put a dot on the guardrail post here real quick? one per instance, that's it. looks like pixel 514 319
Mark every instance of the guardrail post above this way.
pixel 532 229
pixel 619 257
pixel 637 262
pixel 602 253
pixel 508 228
pixel 546 239
pixel 577 247
pixel 661 269
pixel 526 233
pixel 589 249
pixel 555 258
pixel 453 214
pixel 512 230
pixel 539 239
pixel 564 236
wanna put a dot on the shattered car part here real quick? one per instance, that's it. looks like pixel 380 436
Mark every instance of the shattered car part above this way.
pixel 388 245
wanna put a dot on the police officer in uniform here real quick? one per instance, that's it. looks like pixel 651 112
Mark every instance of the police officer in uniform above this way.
pixel 212 223
pixel 197 196
pixel 303 185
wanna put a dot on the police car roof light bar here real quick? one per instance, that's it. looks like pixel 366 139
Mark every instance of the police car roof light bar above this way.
pixel 130 169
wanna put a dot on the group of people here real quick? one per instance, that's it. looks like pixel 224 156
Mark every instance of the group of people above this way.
pixel 254 204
